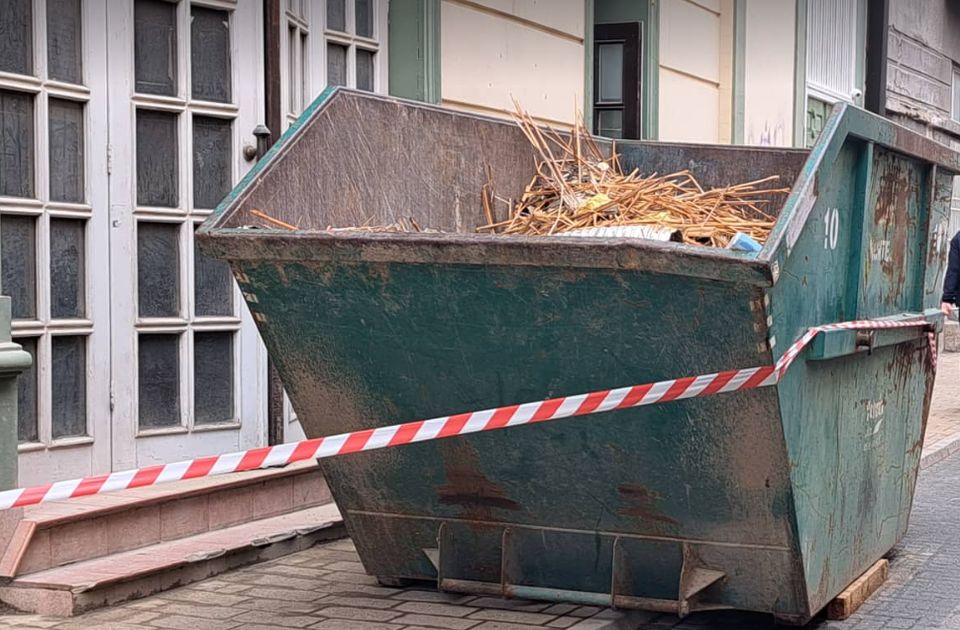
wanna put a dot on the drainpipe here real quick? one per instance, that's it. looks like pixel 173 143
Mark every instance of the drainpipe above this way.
pixel 266 136
pixel 878 27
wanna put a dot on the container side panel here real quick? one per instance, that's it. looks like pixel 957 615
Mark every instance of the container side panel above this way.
pixel 812 289
pixel 895 226
pixel 938 242
pixel 815 281
pixel 938 245
pixel 717 166
pixel 367 160
pixel 369 344
pixel 854 425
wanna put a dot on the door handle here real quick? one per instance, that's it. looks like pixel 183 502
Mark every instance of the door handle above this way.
pixel 251 152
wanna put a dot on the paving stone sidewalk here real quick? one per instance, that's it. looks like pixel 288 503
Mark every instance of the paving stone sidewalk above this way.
pixel 943 425
pixel 325 588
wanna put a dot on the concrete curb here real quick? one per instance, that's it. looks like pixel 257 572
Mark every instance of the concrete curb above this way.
pixel 940 451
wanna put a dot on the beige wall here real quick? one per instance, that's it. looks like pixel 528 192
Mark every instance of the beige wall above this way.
pixel 492 50
pixel 530 49
pixel 769 72
pixel 691 81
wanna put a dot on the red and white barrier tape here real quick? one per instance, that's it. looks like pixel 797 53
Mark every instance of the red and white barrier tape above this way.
pixel 447 426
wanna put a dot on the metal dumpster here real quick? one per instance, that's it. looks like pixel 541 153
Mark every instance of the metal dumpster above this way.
pixel 772 499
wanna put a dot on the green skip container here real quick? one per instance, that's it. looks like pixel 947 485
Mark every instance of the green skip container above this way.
pixel 770 500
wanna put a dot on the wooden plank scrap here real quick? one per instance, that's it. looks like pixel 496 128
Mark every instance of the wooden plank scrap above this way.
pixel 852 597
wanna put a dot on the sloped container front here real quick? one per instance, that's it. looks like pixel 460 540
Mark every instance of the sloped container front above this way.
pixel 771 500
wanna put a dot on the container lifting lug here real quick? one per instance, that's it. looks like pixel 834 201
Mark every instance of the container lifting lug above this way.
pixel 865 340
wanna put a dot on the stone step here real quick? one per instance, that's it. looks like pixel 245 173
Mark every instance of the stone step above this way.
pixel 61 533
pixel 74 588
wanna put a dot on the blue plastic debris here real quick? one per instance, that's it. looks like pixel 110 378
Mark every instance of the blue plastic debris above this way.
pixel 742 242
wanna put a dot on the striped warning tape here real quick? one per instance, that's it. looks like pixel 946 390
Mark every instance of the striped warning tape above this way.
pixel 447 426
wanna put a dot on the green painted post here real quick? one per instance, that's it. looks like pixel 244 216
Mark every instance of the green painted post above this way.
pixel 588 22
pixel 414 59
pixel 651 88
pixel 13 360
pixel 800 77
pixel 739 69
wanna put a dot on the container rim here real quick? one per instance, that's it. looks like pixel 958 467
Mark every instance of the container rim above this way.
pixel 627 254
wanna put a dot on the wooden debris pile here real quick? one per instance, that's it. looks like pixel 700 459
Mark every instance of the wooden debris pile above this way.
pixel 403 224
pixel 577 187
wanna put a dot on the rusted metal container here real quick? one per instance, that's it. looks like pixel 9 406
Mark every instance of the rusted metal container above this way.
pixel 771 500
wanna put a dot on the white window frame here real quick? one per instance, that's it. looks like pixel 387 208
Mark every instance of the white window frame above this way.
pixel 79 455
pixel 188 219
pixel 309 17
pixel 955 92
pixel 136 446
pixel 820 90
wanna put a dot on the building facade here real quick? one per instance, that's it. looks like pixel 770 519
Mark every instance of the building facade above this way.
pixel 923 74
pixel 124 122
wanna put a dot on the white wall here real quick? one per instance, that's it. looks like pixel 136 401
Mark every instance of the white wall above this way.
pixel 769 72
pixel 529 49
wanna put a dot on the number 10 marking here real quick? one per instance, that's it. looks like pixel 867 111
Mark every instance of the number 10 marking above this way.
pixel 831 224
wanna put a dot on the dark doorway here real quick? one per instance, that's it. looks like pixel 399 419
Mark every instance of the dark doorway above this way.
pixel 617 80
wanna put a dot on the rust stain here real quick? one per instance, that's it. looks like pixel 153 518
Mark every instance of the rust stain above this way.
pixel 324 272
pixel 573 275
pixel 379 272
pixel 282 273
pixel 641 502
pixel 892 221
pixel 468 487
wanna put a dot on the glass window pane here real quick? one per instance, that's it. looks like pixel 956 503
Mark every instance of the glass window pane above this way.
pixel 158 269
pixel 16 36
pixel 611 72
pixel 364 18
pixel 213 377
pixel 16 144
pixel 336 15
pixel 27 427
pixel 68 358
pixel 956 94
pixel 67 268
pixel 295 70
pixel 210 55
pixel 213 285
pixel 303 72
pixel 365 69
pixel 158 374
pixel 212 157
pixel 18 263
pixel 336 64
pixel 64 56
pixel 610 123
pixel 157 164
pixel 66 150
pixel 155 47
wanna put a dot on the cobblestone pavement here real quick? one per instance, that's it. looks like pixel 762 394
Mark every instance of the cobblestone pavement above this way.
pixel 325 588
pixel 943 424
